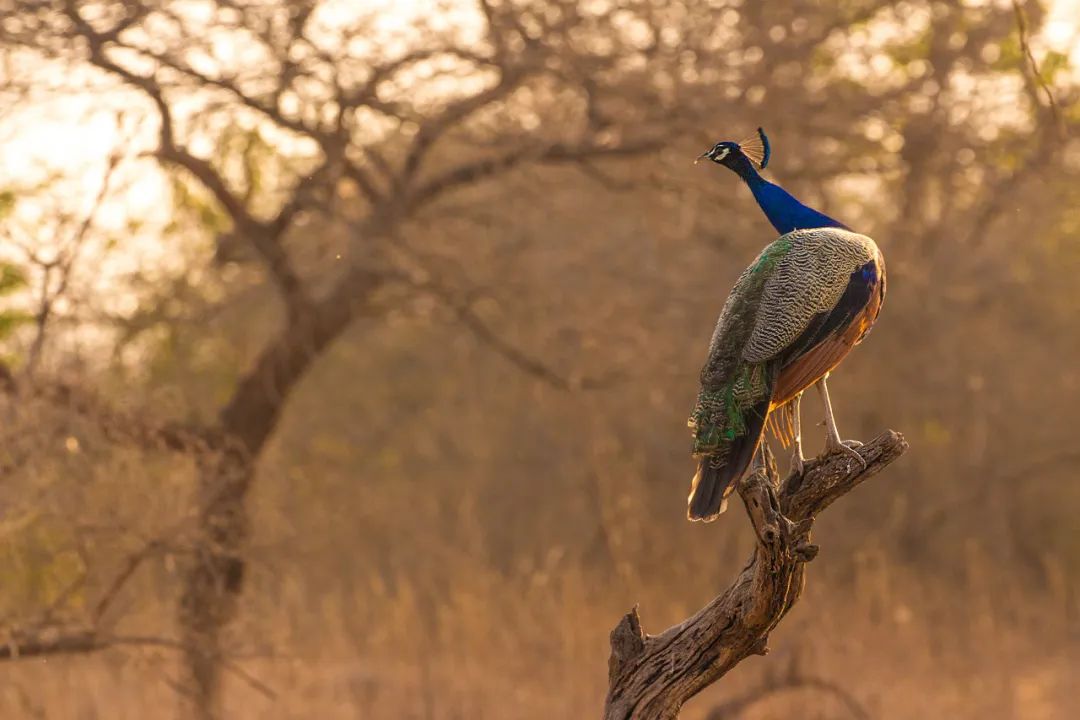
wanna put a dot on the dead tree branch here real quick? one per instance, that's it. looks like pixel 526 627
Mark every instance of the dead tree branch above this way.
pixel 27 643
pixel 791 680
pixel 651 676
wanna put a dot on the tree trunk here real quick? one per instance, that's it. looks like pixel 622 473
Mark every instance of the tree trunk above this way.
pixel 215 577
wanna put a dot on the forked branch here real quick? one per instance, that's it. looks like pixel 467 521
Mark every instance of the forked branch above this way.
pixel 651 676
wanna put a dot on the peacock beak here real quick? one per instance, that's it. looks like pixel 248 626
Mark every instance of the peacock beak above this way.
pixel 706 154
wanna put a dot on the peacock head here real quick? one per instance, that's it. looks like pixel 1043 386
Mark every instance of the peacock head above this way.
pixel 735 155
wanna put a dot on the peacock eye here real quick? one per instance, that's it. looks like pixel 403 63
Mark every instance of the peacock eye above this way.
pixel 722 154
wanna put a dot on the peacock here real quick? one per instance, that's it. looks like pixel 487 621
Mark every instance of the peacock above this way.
pixel 792 316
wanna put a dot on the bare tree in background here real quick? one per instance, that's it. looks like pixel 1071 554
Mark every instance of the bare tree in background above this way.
pixel 310 85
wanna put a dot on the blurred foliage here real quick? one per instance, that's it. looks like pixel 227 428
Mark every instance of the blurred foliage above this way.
pixel 12 280
pixel 7 203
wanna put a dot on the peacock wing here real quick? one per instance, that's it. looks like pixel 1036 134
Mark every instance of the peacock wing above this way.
pixel 734 394
pixel 736 322
pixel 806 285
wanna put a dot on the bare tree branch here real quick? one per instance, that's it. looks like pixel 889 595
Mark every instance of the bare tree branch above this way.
pixel 1032 70
pixel 366 94
pixel 64 262
pixel 255 406
pixel 651 676
pixel 51 640
pixel 127 571
pixel 516 356
pixel 491 167
pixel 266 243
pixel 435 127
pixel 131 428
pixel 31 642
pixel 734 708
pixel 264 107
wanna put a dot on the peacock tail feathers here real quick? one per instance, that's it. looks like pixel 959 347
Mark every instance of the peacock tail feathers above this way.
pixel 722 414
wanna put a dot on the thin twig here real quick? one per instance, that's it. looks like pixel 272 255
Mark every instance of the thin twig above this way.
pixel 64 262
pixel 120 580
pixel 735 707
pixel 1033 69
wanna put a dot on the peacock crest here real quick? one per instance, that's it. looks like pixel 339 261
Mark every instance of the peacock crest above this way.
pixel 756 147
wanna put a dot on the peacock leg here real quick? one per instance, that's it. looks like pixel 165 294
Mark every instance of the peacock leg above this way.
pixel 833 443
pixel 798 462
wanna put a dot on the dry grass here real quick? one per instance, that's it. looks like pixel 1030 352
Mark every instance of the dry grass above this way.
pixel 415 618
pixel 533 645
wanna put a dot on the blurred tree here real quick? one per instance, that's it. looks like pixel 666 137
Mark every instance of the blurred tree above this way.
pixel 337 109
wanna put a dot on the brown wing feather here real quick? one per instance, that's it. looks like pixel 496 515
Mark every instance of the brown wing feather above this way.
pixel 809 368
pixel 826 355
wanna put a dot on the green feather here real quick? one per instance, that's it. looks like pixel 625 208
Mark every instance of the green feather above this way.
pixel 730 386
pixel 771 255
pixel 720 414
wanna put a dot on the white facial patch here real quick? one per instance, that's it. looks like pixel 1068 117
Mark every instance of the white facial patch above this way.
pixel 723 154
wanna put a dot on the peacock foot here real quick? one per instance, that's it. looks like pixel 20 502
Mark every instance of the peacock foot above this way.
pixel 796 472
pixel 845 447
pixel 798 462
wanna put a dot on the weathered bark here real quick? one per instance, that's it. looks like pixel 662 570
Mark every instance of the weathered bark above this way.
pixel 651 676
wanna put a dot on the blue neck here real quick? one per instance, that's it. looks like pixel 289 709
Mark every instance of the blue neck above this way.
pixel 783 210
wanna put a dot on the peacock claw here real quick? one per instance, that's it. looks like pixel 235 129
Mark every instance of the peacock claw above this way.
pixel 798 463
pixel 796 472
pixel 846 447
